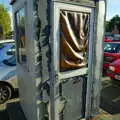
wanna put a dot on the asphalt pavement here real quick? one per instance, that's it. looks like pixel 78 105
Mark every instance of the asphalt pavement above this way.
pixel 110 96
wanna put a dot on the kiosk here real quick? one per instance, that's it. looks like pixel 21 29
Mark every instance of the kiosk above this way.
pixel 59 57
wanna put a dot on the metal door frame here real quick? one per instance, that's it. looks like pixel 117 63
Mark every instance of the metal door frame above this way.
pixel 56 6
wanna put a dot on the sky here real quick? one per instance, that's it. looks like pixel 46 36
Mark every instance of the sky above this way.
pixel 113 8
pixel 9 8
pixel 6 4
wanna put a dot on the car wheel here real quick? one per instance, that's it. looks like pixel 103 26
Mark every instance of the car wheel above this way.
pixel 5 93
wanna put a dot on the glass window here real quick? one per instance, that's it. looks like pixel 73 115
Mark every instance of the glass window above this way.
pixel 112 47
pixel 21 38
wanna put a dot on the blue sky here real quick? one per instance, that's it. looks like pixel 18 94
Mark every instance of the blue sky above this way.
pixel 113 7
pixel 6 4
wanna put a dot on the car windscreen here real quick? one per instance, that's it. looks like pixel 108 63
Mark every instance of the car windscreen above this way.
pixel 112 47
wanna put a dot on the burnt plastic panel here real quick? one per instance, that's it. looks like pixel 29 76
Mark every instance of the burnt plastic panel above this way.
pixel 74 35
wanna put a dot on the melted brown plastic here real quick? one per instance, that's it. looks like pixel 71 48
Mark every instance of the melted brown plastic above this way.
pixel 74 31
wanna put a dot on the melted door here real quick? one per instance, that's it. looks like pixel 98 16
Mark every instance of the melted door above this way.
pixel 72 55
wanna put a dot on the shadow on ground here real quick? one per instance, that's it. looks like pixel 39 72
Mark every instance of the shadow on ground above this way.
pixel 13 111
pixel 11 105
pixel 4 115
pixel 110 96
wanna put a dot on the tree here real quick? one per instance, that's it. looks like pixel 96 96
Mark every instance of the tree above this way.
pixel 107 26
pixel 110 25
pixel 1 32
pixel 5 21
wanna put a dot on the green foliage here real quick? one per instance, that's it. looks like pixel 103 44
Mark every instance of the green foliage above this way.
pixel 115 21
pixel 107 26
pixel 5 21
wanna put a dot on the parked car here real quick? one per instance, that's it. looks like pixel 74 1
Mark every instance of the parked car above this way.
pixel 112 38
pixel 10 62
pixel 117 37
pixel 107 39
pixel 111 53
pixel 3 51
pixel 8 88
pixel 11 51
pixel 114 70
pixel 1 46
pixel 8 81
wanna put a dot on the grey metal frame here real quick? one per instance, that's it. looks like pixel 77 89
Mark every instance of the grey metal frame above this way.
pixel 55 36
pixel 77 8
pixel 92 109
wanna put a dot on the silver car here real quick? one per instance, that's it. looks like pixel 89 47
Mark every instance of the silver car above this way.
pixel 8 81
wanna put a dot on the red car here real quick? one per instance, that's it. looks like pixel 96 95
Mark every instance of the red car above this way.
pixel 114 70
pixel 107 39
pixel 111 54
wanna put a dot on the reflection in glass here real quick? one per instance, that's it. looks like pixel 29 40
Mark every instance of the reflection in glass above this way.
pixel 112 47
pixel 21 36
pixel 74 33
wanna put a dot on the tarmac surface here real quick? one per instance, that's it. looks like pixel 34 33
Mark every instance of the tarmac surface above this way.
pixel 110 96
